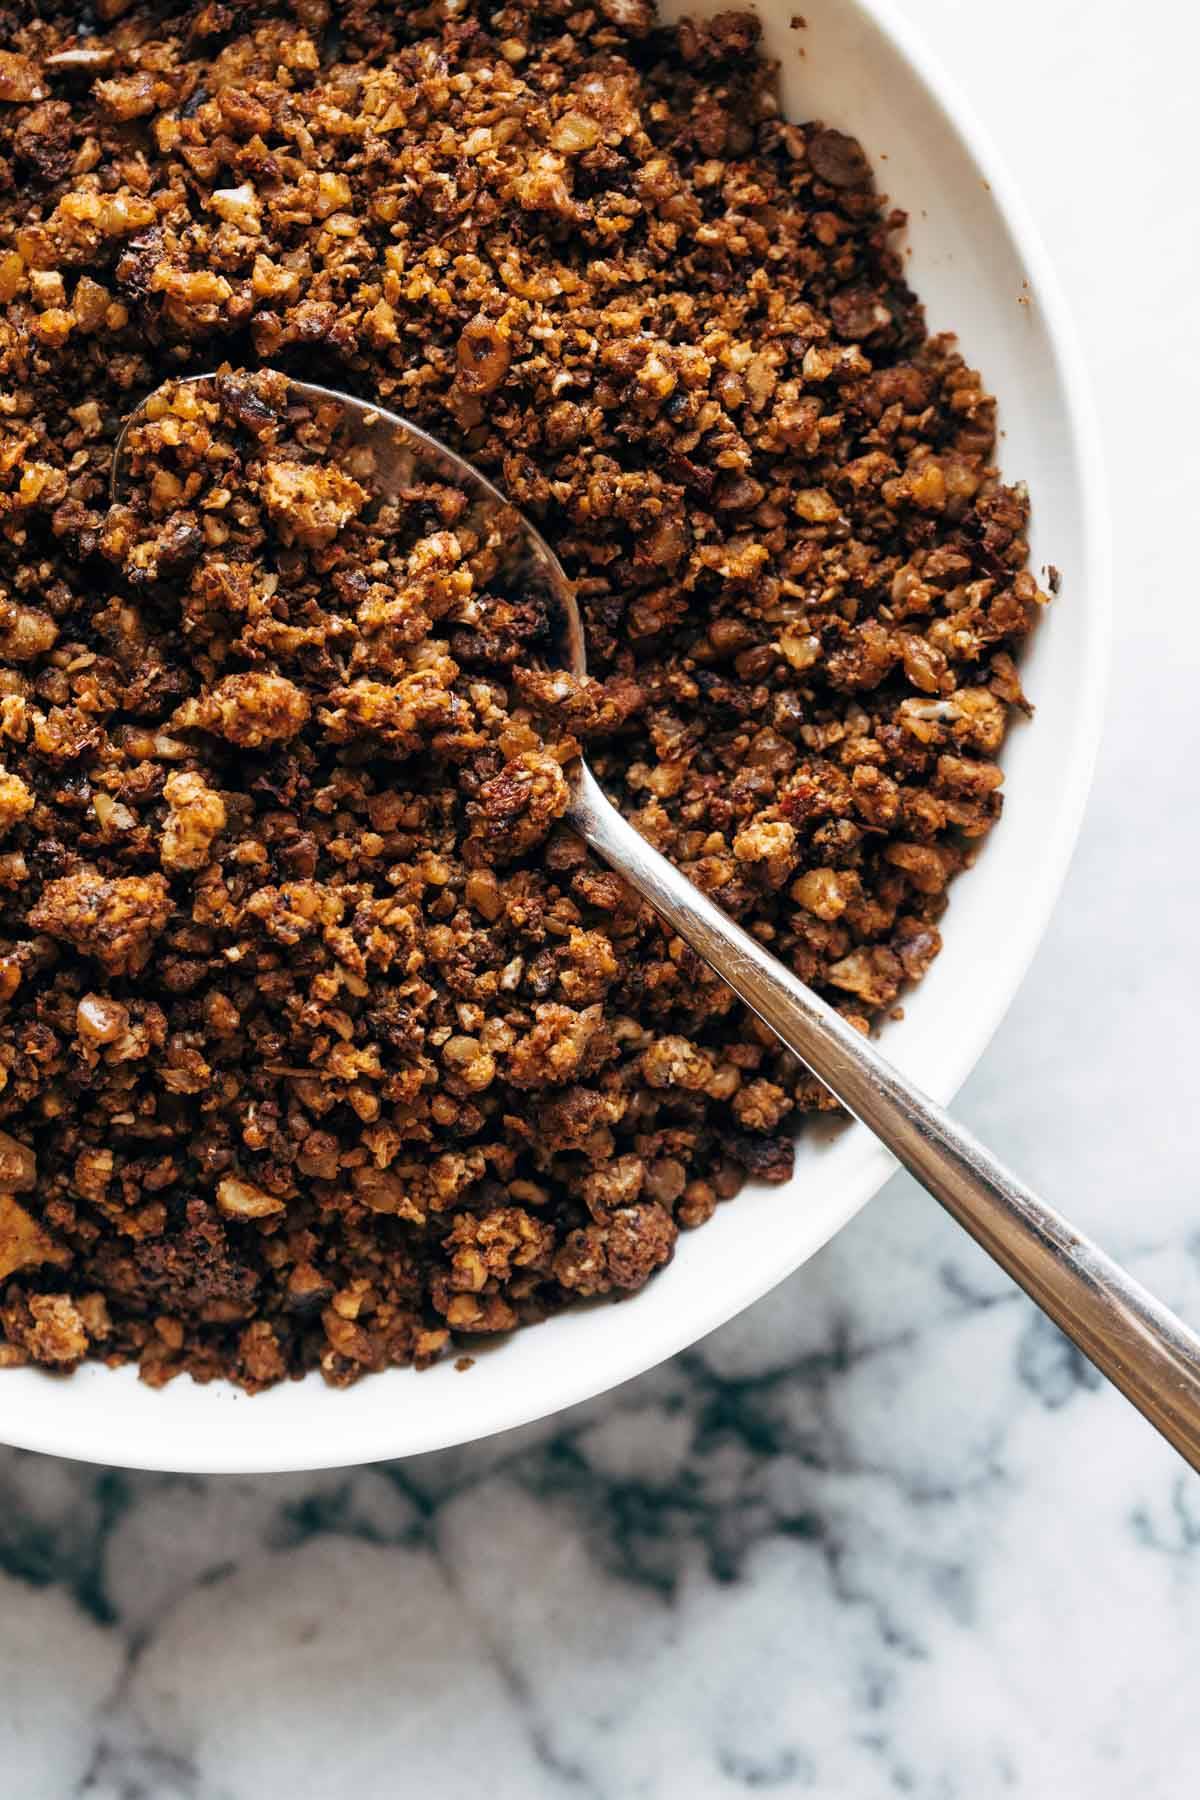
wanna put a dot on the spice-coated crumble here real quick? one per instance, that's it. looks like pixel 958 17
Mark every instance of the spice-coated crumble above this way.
pixel 324 1041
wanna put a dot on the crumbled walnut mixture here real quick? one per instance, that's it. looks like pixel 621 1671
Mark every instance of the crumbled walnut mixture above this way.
pixel 323 1038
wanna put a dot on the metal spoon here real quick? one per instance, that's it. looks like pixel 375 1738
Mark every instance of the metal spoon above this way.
pixel 1151 1355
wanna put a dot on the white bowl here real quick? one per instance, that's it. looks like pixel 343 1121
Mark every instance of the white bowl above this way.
pixel 978 265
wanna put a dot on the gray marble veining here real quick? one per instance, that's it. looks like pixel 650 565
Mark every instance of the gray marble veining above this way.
pixel 885 1534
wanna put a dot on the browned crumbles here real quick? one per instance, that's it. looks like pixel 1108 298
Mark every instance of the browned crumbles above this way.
pixel 323 1037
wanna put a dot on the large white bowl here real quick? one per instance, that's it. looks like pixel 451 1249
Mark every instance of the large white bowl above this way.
pixel 977 263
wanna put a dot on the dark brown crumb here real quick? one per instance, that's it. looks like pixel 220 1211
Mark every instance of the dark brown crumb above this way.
pixel 323 1038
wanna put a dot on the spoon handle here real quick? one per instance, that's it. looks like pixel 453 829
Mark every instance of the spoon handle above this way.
pixel 1141 1346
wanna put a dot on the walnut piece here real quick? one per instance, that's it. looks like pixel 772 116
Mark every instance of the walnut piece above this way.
pixel 24 1244
pixel 196 820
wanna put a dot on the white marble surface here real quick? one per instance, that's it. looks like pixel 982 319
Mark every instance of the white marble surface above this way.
pixel 885 1534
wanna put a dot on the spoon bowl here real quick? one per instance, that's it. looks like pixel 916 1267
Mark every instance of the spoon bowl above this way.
pixel 393 454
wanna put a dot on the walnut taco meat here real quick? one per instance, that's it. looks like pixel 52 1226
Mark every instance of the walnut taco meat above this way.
pixel 323 1040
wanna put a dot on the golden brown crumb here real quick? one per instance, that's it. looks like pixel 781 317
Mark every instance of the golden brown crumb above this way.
pixel 310 505
pixel 23 1242
pixel 58 1334
pixel 250 710
pixel 197 817
pixel 15 800
pixel 115 920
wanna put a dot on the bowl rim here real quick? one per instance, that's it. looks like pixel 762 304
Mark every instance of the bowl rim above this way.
pixel 388 1434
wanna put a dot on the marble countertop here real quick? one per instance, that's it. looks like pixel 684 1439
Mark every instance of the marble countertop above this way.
pixel 886 1533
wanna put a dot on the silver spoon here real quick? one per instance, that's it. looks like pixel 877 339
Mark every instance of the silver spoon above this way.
pixel 1143 1348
